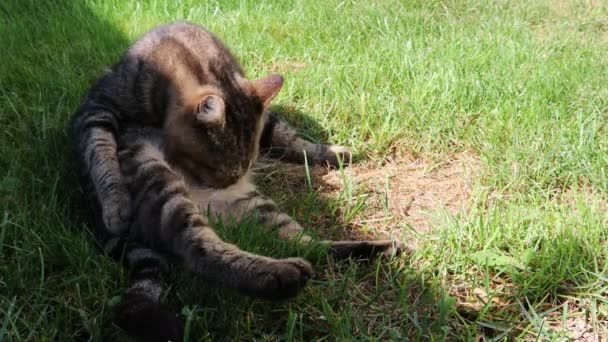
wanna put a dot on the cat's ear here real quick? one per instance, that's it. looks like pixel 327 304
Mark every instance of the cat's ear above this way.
pixel 210 110
pixel 267 88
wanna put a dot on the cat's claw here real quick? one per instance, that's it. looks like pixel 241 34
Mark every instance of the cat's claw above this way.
pixel 285 278
pixel 367 249
pixel 396 248
pixel 336 154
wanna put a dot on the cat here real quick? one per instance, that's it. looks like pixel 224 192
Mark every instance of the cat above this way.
pixel 171 131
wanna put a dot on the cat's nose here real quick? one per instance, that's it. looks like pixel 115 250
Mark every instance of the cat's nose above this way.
pixel 233 176
pixel 237 172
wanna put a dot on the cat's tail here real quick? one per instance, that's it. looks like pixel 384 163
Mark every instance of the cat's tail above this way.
pixel 139 312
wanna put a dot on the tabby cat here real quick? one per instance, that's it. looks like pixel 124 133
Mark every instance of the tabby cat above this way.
pixel 173 130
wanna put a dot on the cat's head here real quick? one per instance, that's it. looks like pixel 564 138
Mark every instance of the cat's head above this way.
pixel 215 136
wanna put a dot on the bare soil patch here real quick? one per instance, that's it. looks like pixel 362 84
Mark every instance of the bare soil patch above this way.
pixel 400 193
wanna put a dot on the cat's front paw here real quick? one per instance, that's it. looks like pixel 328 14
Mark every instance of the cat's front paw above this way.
pixel 334 155
pixel 285 278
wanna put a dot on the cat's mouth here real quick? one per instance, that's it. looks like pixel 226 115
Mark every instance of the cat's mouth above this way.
pixel 222 183
pixel 222 179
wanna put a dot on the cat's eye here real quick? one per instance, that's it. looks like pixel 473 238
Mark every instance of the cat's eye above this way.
pixel 210 110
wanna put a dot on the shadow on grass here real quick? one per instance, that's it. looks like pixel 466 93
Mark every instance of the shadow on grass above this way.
pixel 346 300
pixel 62 284
pixel 52 50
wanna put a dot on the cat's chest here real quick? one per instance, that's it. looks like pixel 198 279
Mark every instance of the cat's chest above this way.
pixel 220 201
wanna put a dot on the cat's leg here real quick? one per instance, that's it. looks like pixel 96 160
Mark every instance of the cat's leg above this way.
pixel 270 215
pixel 93 132
pixel 139 313
pixel 167 218
pixel 281 141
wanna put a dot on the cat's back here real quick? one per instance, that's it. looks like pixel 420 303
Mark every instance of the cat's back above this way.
pixel 184 45
pixel 189 36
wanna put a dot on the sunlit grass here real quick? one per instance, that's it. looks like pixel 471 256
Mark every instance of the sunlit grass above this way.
pixel 521 85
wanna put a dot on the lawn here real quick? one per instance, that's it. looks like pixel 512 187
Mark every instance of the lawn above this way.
pixel 481 140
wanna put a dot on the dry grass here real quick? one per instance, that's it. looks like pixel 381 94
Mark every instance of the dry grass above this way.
pixel 403 194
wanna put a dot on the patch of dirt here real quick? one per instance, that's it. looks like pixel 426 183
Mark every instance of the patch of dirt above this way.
pixel 584 196
pixel 580 324
pixel 579 18
pixel 399 193
pixel 578 329
pixel 412 191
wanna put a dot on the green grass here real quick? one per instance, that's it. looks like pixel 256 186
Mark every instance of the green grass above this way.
pixel 522 85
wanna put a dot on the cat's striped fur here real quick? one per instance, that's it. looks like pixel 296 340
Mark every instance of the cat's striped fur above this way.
pixel 172 130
